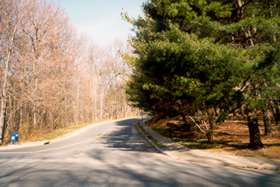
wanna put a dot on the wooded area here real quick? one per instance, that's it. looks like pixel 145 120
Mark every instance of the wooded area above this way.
pixel 207 61
pixel 50 77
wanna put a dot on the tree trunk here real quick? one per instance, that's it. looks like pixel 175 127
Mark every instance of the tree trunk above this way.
pixel 4 98
pixel 101 103
pixel 254 133
pixel 275 111
pixel 210 133
pixel 267 123
pixel 2 120
pixel 212 123
pixel 186 126
pixel 238 12
pixel 3 130
pixel 34 121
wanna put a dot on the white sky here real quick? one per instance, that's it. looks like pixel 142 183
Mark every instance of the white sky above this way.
pixel 101 19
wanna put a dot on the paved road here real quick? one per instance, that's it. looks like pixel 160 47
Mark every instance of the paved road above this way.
pixel 113 154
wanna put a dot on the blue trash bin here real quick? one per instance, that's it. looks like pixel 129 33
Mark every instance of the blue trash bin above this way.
pixel 17 137
pixel 14 137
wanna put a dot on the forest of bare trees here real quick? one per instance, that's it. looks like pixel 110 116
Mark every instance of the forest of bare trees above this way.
pixel 49 76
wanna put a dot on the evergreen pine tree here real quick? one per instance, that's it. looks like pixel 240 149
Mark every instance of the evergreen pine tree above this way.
pixel 201 57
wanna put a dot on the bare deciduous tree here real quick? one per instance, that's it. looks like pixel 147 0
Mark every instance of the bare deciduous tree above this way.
pixel 51 78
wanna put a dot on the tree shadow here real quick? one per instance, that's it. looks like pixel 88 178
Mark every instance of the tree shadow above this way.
pixel 153 173
pixel 125 159
pixel 126 138
pixel 203 144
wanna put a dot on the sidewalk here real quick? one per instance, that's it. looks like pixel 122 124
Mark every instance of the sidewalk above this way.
pixel 204 157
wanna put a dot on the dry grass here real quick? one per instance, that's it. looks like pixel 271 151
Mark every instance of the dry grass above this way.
pixel 230 137
pixel 48 134
pixel 234 137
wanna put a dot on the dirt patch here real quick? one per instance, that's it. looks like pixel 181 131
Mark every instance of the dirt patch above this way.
pixel 230 137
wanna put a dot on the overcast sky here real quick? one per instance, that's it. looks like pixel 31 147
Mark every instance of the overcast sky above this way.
pixel 101 19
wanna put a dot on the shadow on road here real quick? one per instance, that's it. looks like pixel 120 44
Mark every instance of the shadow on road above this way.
pixel 151 173
pixel 126 138
pixel 123 158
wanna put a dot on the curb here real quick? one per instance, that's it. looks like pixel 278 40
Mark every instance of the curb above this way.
pixel 151 139
pixel 148 138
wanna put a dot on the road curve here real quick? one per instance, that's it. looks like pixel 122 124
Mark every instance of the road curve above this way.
pixel 114 154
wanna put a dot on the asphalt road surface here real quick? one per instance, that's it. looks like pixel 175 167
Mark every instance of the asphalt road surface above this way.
pixel 114 154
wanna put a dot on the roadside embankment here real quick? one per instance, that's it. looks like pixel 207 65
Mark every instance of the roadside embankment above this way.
pixel 204 157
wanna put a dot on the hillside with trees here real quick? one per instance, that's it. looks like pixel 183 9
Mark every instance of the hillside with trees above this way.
pixel 50 77
pixel 208 61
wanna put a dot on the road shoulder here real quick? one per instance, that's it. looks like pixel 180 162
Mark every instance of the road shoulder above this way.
pixel 203 157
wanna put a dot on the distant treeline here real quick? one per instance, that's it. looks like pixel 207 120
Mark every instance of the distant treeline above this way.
pixel 49 76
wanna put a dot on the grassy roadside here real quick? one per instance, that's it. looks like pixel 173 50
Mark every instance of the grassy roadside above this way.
pixel 34 135
pixel 230 138
pixel 49 134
